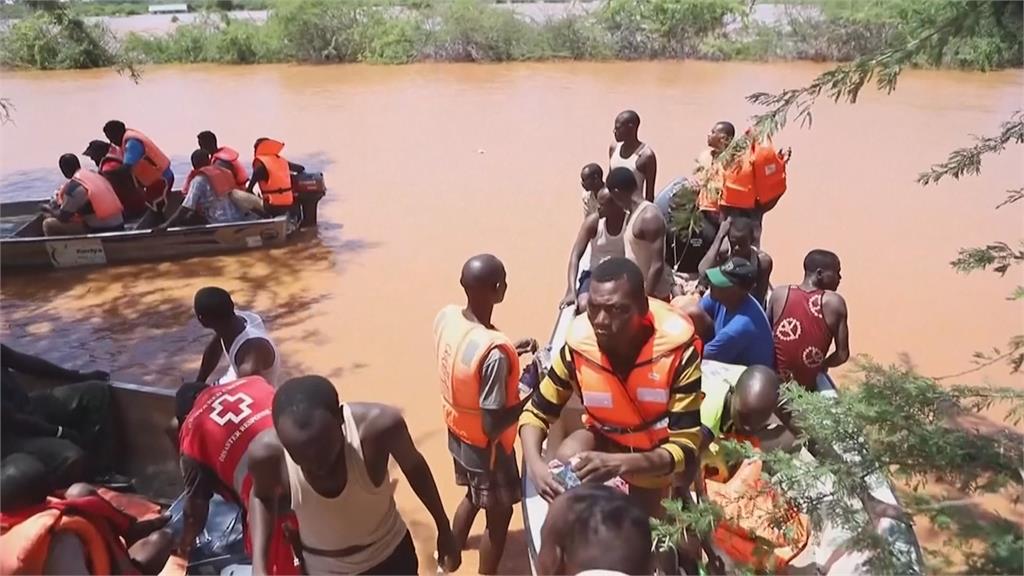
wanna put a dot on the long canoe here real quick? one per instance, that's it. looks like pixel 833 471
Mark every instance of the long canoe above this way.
pixel 816 558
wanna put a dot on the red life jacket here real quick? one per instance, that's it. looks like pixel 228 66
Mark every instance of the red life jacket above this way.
pixel 802 337
pixel 224 420
pixel 230 156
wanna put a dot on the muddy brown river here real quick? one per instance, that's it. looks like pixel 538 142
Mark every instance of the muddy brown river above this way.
pixel 429 164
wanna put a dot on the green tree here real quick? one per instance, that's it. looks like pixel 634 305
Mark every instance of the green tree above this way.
pixel 919 434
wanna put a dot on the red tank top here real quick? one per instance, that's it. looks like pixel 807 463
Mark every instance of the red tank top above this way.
pixel 223 421
pixel 802 337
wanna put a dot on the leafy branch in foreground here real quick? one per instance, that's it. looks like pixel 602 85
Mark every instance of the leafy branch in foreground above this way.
pixel 968 160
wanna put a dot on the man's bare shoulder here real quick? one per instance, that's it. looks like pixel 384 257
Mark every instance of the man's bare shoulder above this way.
pixel 373 419
pixel 265 446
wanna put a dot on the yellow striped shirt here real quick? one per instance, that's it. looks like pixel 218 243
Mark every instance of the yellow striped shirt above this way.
pixel 685 397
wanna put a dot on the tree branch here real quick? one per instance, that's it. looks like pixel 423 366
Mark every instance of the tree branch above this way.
pixel 968 160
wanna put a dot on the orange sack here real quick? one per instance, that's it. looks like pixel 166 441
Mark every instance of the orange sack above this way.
pixel 757 178
pixel 750 532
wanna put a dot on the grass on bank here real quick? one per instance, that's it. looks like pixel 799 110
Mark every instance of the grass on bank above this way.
pixel 401 31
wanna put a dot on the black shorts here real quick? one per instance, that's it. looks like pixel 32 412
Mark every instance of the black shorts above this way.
pixel 402 561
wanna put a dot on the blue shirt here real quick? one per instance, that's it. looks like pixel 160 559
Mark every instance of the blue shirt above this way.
pixel 134 151
pixel 743 337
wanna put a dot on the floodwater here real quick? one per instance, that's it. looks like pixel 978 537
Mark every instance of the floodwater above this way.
pixel 429 164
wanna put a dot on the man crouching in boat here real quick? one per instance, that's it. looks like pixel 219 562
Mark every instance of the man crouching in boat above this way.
pixel 85 204
pixel 633 362
pixel 210 195
pixel 219 425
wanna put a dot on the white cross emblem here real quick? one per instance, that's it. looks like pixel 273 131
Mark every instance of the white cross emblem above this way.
pixel 231 408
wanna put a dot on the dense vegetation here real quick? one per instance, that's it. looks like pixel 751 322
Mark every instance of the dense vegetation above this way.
pixel 400 31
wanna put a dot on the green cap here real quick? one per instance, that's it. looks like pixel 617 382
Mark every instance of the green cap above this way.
pixel 735 272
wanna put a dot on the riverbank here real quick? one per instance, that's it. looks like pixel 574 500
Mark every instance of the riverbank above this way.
pixel 325 31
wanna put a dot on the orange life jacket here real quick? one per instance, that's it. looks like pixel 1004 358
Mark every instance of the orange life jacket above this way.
pixel 150 168
pixel 277 188
pixel 757 178
pixel 221 180
pixel 102 197
pixel 750 532
pixel 707 199
pixel 462 348
pixel 230 155
pixel 631 413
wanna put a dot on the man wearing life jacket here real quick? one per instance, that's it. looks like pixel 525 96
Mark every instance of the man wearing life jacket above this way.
pixel 479 371
pixel 709 180
pixel 219 425
pixel 150 167
pixel 595 529
pixel 633 362
pixel 207 195
pixel 274 175
pixel 735 239
pixel 108 160
pixel 330 461
pixel 223 156
pixel 592 181
pixel 603 233
pixel 741 333
pixel 85 204
pixel 629 152
pixel 807 318
pixel 241 336
pixel 644 234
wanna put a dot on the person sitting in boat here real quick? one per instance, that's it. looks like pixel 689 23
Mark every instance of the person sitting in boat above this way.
pixel 85 204
pixel 741 408
pixel 79 531
pixel 330 460
pixel 595 529
pixel 220 425
pixel 630 153
pixel 807 318
pixel 108 160
pixel 239 334
pixel 479 369
pixel 146 162
pixel 739 329
pixel 208 196
pixel 735 240
pixel 223 156
pixel 592 180
pixel 602 231
pixel 644 233
pixel 274 175
pixel 54 436
pixel 633 361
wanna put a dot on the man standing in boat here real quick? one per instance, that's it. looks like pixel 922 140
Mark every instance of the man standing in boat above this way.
pixel 629 152
pixel 219 425
pixel 602 231
pixel 592 181
pixel 644 234
pixel 633 362
pixel 479 371
pixel 238 334
pixel 807 318
pixel 146 162
pixel 330 462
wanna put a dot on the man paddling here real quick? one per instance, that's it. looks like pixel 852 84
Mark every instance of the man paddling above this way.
pixel 330 461
pixel 629 152
pixel 219 426
pixel 644 234
pixel 479 371
pixel 735 239
pixel 633 362
pixel 239 335
pixel 602 232
pixel 807 318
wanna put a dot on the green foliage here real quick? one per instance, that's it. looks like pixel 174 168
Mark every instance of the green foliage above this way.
pixel 665 28
pixel 471 31
pixel 52 40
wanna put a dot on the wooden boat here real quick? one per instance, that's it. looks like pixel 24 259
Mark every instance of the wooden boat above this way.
pixel 23 246
pixel 814 559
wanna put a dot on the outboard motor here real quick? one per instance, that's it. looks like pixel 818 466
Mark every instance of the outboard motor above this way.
pixel 308 188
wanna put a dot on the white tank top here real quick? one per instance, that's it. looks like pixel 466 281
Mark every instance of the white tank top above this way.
pixel 362 516
pixel 254 328
pixel 639 252
pixel 605 246
pixel 630 162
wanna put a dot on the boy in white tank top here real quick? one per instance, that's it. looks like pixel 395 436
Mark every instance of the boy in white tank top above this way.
pixel 644 234
pixel 629 152
pixel 329 462
pixel 239 335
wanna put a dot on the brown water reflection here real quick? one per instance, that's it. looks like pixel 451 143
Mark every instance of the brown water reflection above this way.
pixel 428 164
